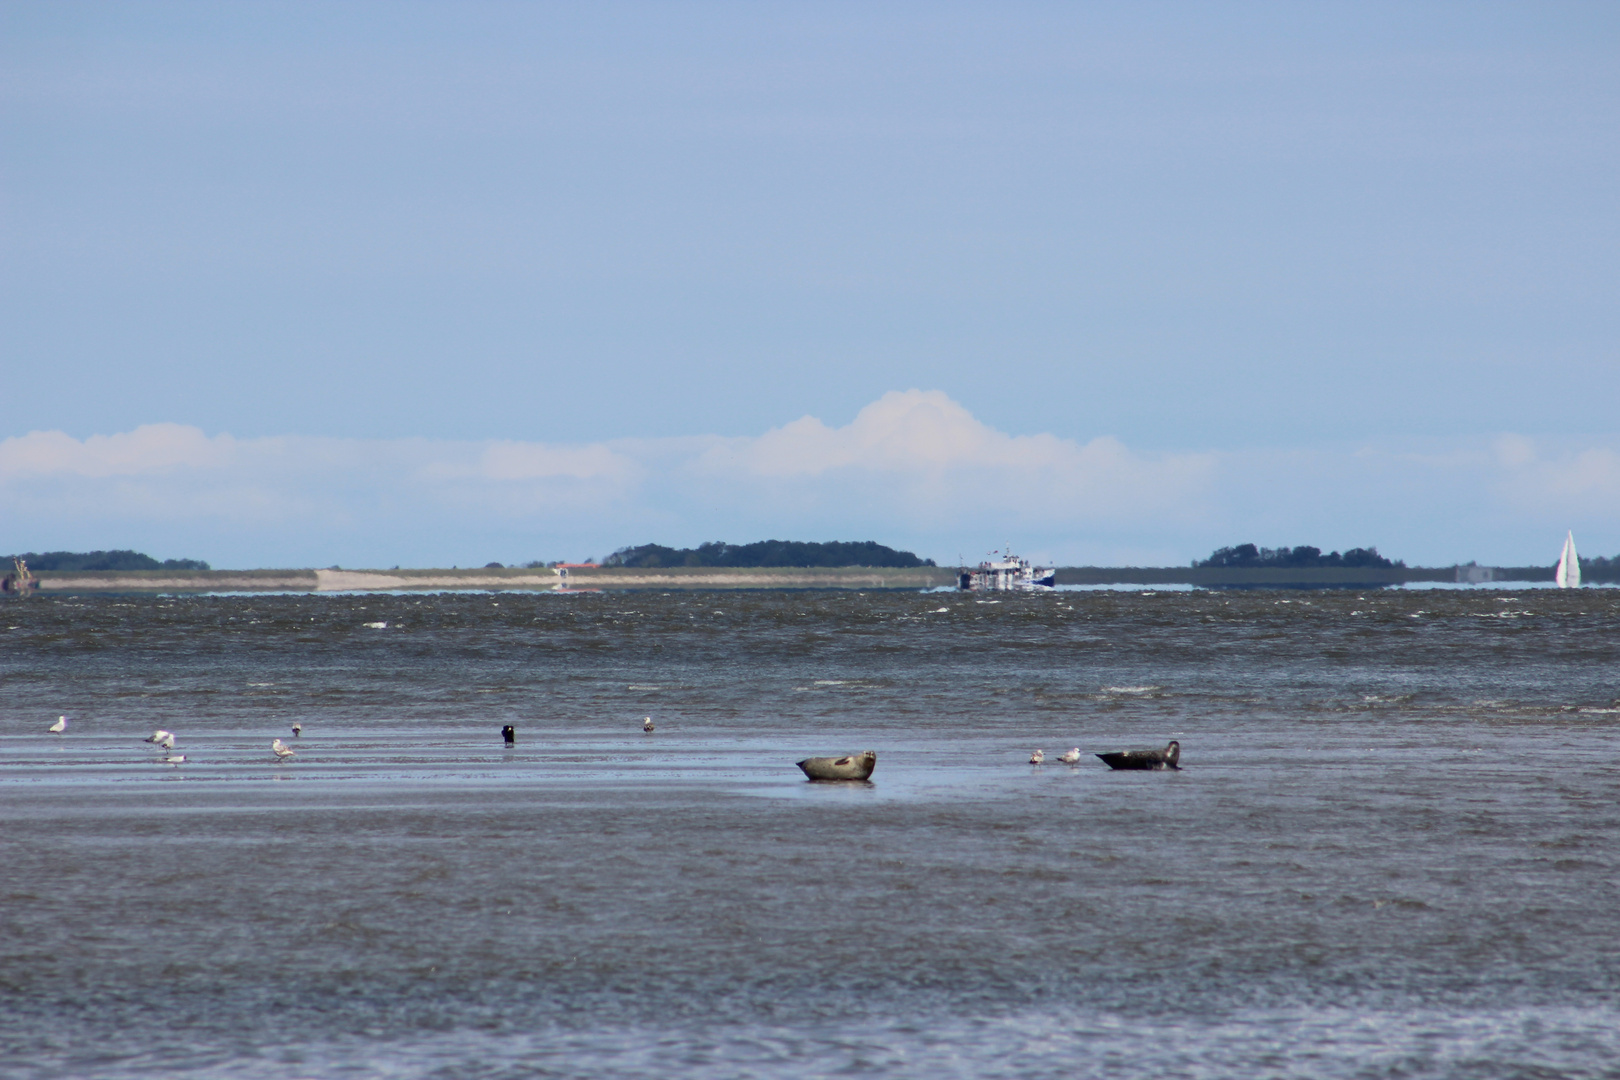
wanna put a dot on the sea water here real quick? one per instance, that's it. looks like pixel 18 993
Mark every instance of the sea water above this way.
pixel 1393 848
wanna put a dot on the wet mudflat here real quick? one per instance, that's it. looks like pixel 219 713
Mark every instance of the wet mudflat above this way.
pixel 1391 849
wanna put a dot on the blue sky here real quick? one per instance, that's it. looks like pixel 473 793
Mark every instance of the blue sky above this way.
pixel 294 284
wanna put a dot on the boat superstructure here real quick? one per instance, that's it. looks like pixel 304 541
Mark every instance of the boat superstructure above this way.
pixel 19 581
pixel 1008 572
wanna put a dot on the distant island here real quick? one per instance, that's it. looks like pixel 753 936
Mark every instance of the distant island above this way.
pixel 1303 557
pixel 1602 568
pixel 767 553
pixel 101 560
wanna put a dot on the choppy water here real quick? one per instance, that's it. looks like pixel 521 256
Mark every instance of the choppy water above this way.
pixel 1392 850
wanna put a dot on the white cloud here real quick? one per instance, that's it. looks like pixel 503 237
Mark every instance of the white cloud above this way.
pixel 1583 479
pixel 921 450
pixel 531 461
pixel 151 448
pixel 1504 500
pixel 919 447
pixel 914 468
pixel 913 430
pixel 903 431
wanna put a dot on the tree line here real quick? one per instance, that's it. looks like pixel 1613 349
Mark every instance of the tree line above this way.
pixel 102 560
pixel 1302 557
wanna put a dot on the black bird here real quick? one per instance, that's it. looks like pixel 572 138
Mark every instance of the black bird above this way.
pixel 1145 759
pixel 509 733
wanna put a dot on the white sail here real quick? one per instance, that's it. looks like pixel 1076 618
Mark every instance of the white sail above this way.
pixel 1568 574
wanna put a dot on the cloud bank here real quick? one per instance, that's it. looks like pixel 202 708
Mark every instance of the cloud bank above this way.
pixel 914 468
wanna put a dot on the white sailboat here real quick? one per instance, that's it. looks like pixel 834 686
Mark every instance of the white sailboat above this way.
pixel 1568 574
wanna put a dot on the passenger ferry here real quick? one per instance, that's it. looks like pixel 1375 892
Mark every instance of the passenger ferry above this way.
pixel 1008 573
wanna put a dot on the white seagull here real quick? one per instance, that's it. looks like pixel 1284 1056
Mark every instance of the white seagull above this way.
pixel 1037 757
pixel 158 736
pixel 1070 757
pixel 647 725
pixel 175 759
pixel 282 750
pixel 58 727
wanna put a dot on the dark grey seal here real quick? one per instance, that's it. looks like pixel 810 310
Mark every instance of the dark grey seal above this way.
pixel 853 767
pixel 1145 759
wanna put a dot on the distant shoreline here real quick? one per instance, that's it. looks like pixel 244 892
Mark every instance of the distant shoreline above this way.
pixel 492 579
pixel 545 579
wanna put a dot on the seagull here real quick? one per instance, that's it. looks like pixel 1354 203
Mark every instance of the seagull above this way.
pixel 509 734
pixel 167 742
pixel 175 759
pixel 158 736
pixel 1037 757
pixel 282 750
pixel 58 727
pixel 298 729
pixel 1070 757
pixel 647 725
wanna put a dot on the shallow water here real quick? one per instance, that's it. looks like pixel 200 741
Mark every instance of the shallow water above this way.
pixel 1391 850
